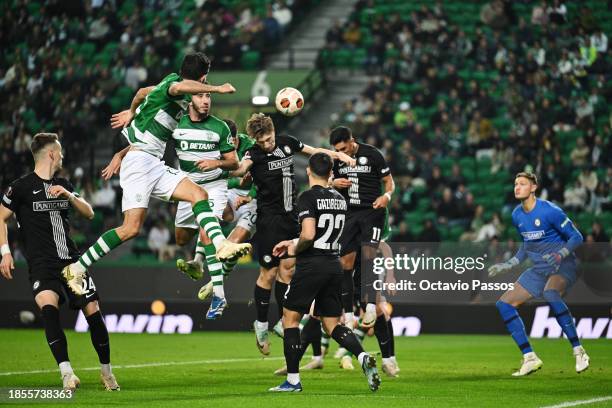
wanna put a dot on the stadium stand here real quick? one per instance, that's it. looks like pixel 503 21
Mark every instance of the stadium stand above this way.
pixel 84 60
pixel 471 93
pixel 463 95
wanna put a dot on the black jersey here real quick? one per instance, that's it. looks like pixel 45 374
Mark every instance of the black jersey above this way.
pixel 328 208
pixel 42 220
pixel 365 177
pixel 274 176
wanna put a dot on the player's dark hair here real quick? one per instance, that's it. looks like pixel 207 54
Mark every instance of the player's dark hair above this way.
pixel 321 164
pixel 232 126
pixel 529 176
pixel 195 65
pixel 41 140
pixel 259 124
pixel 340 134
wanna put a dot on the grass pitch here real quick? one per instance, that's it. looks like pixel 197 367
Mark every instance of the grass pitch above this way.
pixel 216 369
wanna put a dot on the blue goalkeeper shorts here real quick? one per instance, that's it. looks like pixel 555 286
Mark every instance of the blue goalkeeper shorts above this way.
pixel 534 280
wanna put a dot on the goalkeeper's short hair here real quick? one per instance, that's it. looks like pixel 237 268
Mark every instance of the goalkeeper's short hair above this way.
pixel 529 176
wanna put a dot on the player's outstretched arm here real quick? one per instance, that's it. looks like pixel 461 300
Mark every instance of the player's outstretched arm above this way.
pixel 383 200
pixel 504 267
pixel 114 165
pixel 340 183
pixel 243 168
pixel 229 161
pixel 122 119
pixel 309 150
pixel 191 87
pixel 573 238
pixel 7 264
pixel 77 202
pixel 307 235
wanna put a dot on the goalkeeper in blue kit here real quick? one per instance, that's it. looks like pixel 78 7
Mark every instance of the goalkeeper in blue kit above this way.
pixel 549 240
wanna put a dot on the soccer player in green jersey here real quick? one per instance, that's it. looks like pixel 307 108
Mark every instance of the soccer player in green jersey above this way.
pixel 155 112
pixel 241 208
pixel 205 150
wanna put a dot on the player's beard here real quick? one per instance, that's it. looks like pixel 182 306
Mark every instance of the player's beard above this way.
pixel 203 115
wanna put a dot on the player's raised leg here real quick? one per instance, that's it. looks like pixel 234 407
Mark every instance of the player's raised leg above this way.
pixel 74 273
pixel 347 339
pixel 553 291
pixel 263 290
pixel 194 269
pixel 311 334
pixel 369 295
pixel 348 290
pixel 285 271
pixel 215 269
pixel 188 191
pixel 384 336
pixel 238 235
pixel 391 344
pixel 101 343
pixel 507 306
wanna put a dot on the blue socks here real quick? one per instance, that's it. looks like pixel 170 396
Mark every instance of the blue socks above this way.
pixel 563 315
pixel 515 325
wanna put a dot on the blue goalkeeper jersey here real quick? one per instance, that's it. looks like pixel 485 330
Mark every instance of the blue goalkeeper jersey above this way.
pixel 544 230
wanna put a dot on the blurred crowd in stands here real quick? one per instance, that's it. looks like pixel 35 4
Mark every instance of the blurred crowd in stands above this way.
pixel 515 86
pixel 65 60
pixel 519 94
pixel 68 64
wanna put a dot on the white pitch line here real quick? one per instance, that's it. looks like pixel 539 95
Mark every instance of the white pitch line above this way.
pixel 145 365
pixel 580 402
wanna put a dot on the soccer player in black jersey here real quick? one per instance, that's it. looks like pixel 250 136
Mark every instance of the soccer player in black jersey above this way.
pixel 270 162
pixel 40 202
pixel 361 186
pixel 318 275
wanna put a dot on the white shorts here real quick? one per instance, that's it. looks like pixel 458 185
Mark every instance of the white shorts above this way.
pixel 143 176
pixel 217 198
pixel 246 215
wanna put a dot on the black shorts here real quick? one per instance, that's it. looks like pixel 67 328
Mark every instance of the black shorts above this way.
pixel 50 278
pixel 363 226
pixel 272 229
pixel 316 278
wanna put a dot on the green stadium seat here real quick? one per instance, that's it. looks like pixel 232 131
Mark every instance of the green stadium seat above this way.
pixel 467 163
pixel 342 58
pixel 87 50
pixel 455 232
pixel 423 204
pixel 359 57
pixel 250 60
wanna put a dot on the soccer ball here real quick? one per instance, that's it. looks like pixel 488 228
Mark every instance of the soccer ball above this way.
pixel 289 101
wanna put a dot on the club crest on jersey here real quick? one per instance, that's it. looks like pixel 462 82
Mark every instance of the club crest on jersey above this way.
pixel 287 149
pixel 537 222
pixel 267 258
pixel 362 160
pixel 36 285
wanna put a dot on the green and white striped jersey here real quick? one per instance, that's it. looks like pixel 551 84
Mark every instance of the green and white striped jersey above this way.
pixel 244 144
pixel 196 141
pixel 156 118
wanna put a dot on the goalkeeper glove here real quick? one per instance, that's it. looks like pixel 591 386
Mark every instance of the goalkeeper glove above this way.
pixel 554 259
pixel 503 267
